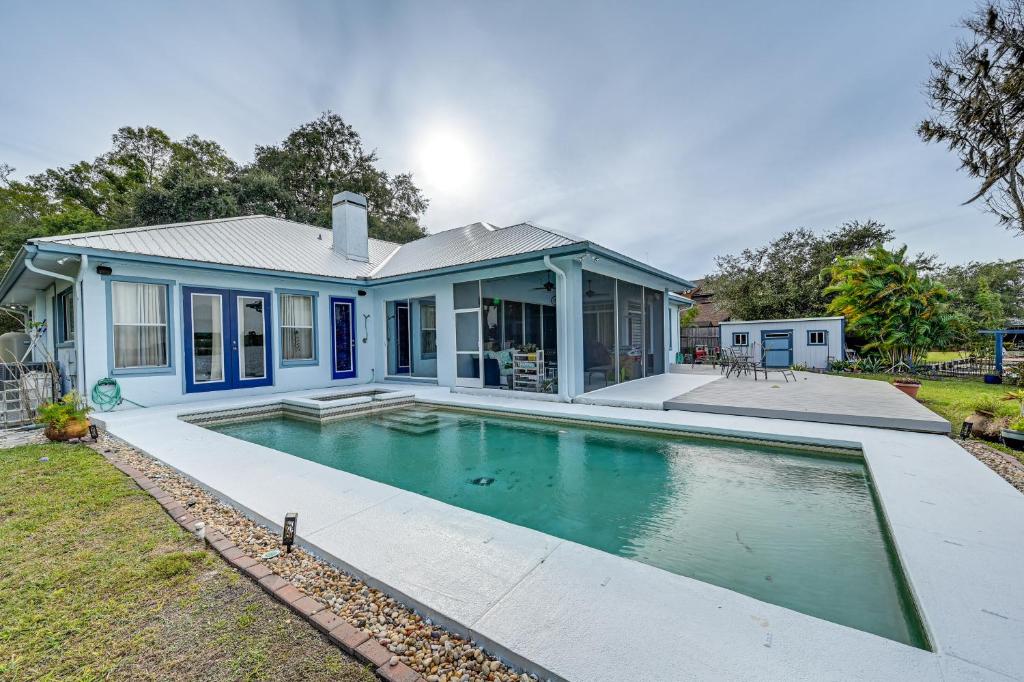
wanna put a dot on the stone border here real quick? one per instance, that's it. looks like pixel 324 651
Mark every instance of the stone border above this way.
pixel 357 643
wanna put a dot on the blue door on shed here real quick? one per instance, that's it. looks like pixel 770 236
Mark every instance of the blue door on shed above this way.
pixel 227 339
pixel 777 347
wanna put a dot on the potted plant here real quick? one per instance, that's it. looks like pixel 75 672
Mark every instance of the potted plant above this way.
pixel 66 418
pixel 908 385
pixel 1014 436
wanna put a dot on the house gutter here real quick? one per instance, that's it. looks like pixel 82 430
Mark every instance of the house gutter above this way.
pixel 563 336
pixel 83 263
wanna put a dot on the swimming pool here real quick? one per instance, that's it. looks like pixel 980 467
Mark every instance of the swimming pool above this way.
pixel 785 526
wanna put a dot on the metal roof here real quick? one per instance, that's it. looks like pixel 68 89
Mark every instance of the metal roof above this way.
pixel 274 244
pixel 253 242
pixel 787 319
pixel 470 244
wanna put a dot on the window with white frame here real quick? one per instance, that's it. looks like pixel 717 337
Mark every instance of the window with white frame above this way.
pixel 139 319
pixel 740 339
pixel 428 331
pixel 66 315
pixel 297 338
pixel 817 337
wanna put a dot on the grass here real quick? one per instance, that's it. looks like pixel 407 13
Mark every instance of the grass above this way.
pixel 954 399
pixel 97 582
pixel 944 355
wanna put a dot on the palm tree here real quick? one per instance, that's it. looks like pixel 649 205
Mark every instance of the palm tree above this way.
pixel 885 301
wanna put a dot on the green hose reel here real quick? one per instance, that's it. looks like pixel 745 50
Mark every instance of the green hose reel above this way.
pixel 106 395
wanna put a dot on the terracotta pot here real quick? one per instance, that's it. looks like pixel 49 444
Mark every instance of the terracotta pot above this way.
pixel 909 389
pixel 76 428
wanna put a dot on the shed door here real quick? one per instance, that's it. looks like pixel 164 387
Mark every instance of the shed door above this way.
pixel 777 348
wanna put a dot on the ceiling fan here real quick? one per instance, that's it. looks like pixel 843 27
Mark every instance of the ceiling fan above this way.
pixel 589 293
pixel 547 286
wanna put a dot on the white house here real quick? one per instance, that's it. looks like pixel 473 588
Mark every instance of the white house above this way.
pixel 807 341
pixel 258 304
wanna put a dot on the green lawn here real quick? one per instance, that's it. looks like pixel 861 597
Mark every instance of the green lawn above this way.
pixel 97 582
pixel 954 399
pixel 944 355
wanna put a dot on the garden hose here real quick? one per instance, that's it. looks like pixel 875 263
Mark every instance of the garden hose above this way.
pixel 106 395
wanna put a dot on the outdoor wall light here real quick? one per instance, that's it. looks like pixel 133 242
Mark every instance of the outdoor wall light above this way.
pixel 361 292
pixel 288 534
pixel 104 270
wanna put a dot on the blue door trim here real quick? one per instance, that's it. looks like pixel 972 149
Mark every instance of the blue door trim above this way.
pixel 229 351
pixel 764 351
pixel 337 334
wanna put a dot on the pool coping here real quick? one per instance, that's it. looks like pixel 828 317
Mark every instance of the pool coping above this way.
pixel 526 594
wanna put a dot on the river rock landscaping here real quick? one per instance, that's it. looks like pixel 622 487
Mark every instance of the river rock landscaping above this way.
pixel 1003 464
pixel 438 655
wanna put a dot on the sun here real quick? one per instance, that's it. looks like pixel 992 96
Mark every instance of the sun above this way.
pixel 447 160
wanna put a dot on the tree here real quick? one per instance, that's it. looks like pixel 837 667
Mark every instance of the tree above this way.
pixel 326 156
pixel 1004 279
pixel 887 303
pixel 783 278
pixel 148 178
pixel 977 97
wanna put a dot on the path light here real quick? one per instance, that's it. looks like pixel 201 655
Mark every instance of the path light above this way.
pixel 965 430
pixel 94 433
pixel 288 536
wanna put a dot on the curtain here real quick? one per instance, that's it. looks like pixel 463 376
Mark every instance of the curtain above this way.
pixel 139 317
pixel 297 327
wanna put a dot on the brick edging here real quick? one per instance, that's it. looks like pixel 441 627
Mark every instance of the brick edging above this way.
pixel 340 632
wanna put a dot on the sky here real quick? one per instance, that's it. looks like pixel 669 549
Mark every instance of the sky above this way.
pixel 673 132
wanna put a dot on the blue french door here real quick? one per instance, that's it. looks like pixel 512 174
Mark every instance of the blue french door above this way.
pixel 343 311
pixel 227 339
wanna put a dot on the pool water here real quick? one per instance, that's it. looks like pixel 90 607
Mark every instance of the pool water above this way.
pixel 795 529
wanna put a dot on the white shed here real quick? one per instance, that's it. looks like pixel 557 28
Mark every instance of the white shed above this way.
pixel 807 341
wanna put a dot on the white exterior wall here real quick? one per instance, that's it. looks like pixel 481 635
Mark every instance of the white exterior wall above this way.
pixel 810 356
pixel 93 353
pixel 155 389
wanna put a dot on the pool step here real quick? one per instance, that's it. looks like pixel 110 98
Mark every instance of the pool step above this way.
pixel 412 422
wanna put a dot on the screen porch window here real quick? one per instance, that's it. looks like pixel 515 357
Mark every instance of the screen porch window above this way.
pixel 740 339
pixel 297 343
pixel 139 319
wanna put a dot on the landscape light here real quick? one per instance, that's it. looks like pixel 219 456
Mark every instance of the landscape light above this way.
pixel 288 534
pixel 94 433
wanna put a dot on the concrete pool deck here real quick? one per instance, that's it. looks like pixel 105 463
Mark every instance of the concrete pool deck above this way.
pixel 811 397
pixel 567 611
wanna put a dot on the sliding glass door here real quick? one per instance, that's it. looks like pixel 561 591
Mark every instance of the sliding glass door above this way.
pixel 227 339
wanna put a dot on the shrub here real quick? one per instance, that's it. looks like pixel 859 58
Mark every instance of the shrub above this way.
pixel 990 405
pixel 840 366
pixel 60 413
pixel 870 365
